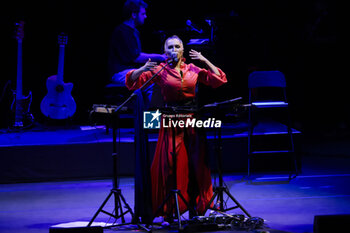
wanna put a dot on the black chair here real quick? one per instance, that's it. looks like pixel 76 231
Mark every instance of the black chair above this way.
pixel 269 115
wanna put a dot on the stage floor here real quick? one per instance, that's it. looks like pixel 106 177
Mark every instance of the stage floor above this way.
pixel 33 207
pixel 287 206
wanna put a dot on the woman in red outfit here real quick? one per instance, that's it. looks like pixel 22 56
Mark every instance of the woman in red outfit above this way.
pixel 178 83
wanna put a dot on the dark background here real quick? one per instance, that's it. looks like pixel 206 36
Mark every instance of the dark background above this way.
pixel 296 37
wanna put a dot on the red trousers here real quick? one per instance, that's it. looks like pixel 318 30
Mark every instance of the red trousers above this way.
pixel 192 170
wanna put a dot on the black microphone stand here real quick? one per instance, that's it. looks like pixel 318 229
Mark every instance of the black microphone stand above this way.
pixel 116 191
pixel 175 194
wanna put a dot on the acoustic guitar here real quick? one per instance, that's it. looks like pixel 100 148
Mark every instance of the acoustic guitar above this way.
pixel 21 104
pixel 58 104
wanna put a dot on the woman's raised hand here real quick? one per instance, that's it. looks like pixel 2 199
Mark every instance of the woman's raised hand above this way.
pixel 196 55
pixel 149 65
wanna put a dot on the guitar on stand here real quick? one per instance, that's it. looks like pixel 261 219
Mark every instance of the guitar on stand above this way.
pixel 58 104
pixel 21 104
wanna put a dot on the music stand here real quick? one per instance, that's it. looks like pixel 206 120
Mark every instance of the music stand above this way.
pixel 221 189
pixel 116 191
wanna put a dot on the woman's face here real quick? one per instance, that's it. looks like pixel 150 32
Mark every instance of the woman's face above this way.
pixel 174 49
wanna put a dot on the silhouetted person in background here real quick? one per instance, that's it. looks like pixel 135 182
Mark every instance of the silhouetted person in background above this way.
pixel 125 45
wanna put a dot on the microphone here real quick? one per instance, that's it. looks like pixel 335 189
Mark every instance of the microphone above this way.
pixel 193 27
pixel 173 58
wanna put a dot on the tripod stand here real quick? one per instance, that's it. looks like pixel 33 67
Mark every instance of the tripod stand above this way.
pixel 221 189
pixel 174 193
pixel 119 199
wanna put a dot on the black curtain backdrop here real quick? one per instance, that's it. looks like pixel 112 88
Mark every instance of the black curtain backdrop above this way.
pixel 295 37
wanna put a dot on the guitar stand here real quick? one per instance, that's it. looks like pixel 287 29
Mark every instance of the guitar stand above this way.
pixel 221 189
pixel 119 200
pixel 174 193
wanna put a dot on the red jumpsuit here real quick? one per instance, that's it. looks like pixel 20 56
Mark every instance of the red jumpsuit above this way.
pixel 192 170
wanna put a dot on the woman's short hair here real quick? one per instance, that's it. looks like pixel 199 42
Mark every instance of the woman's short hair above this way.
pixel 173 37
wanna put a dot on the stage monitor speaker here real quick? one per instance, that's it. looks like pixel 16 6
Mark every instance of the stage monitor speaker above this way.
pixel 95 229
pixel 331 223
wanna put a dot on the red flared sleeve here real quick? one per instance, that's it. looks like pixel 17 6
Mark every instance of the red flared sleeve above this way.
pixel 211 79
pixel 134 85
